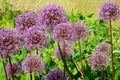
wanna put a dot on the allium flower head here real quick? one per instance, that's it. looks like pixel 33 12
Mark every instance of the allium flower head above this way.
pixel 52 15
pixel 66 49
pixel 63 32
pixel 34 64
pixel 104 48
pixel 36 38
pixel 16 69
pixel 25 21
pixel 56 74
pixel 9 42
pixel 109 11
pixel 81 31
pixel 98 61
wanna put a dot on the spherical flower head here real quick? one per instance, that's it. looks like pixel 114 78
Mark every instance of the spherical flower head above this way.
pixel 66 49
pixel 81 31
pixel 52 15
pixel 16 69
pixel 104 48
pixel 109 11
pixel 56 74
pixel 9 42
pixel 25 21
pixel 98 61
pixel 63 32
pixel 35 38
pixel 33 64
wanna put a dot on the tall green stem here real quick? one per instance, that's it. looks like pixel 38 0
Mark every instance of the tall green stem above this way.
pixel 30 74
pixel 40 76
pixel 64 74
pixel 112 50
pixel 81 59
pixel 11 67
pixel 104 74
pixel 37 51
pixel 79 72
pixel 4 68
pixel 65 64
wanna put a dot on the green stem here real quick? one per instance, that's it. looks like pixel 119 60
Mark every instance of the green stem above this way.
pixel 36 50
pixel 4 68
pixel 64 74
pixel 104 75
pixel 101 75
pixel 40 76
pixel 30 74
pixel 65 64
pixel 11 67
pixel 79 72
pixel 81 59
pixel 112 50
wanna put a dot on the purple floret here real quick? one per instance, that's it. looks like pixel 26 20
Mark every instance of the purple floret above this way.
pixel 16 69
pixel 25 21
pixel 9 42
pixel 52 15
pixel 63 32
pixel 109 11
pixel 56 74
pixel 98 61
pixel 66 48
pixel 104 48
pixel 81 31
pixel 36 38
pixel 33 64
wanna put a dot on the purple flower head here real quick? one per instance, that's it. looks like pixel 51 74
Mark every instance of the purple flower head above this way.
pixel 81 31
pixel 63 32
pixel 25 21
pixel 66 49
pixel 16 68
pixel 36 38
pixel 109 11
pixel 104 48
pixel 56 74
pixel 98 61
pixel 52 15
pixel 34 64
pixel 9 42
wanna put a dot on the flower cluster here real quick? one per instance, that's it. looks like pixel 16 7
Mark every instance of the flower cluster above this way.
pixel 16 68
pixel 66 49
pixel 56 74
pixel 98 61
pixel 35 38
pixel 104 48
pixel 25 21
pixel 81 31
pixel 33 64
pixel 9 42
pixel 52 15
pixel 109 11
pixel 63 32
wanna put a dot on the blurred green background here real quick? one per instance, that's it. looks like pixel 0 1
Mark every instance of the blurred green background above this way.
pixel 83 6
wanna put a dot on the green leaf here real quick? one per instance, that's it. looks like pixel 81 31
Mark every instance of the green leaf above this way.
pixel 97 78
pixel 117 75
pixel 116 51
pixel 90 15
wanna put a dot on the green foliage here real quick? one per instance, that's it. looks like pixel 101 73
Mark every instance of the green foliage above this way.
pixel 7 16
pixel 99 32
